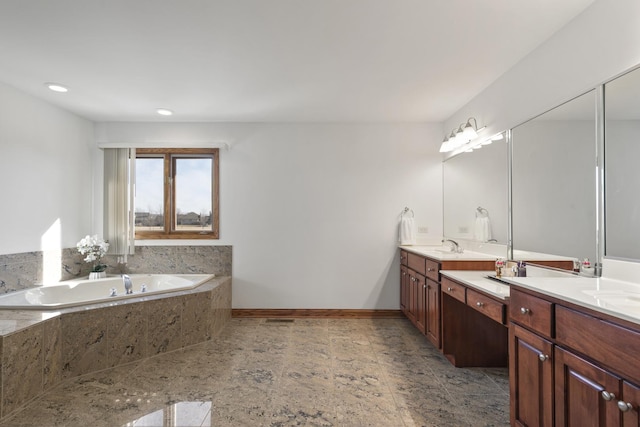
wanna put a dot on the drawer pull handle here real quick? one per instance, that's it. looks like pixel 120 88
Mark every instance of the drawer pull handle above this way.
pixel 543 357
pixel 449 289
pixel 624 406
pixel 479 304
pixel 608 396
pixel 524 310
pixel 430 269
pixel 424 286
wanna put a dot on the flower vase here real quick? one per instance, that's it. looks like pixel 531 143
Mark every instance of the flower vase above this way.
pixel 97 275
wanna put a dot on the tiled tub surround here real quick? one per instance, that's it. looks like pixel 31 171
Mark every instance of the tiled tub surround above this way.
pixel 25 270
pixel 42 348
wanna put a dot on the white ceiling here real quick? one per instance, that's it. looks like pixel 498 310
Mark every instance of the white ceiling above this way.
pixel 270 60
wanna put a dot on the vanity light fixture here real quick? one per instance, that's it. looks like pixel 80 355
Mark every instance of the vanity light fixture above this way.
pixel 469 131
pixel 460 136
pixel 497 137
pixel 56 87
pixel 449 143
pixel 444 148
pixel 164 112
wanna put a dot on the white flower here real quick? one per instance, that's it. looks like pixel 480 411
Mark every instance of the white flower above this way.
pixel 93 248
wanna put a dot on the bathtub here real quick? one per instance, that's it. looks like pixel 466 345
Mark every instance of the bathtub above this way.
pixel 79 292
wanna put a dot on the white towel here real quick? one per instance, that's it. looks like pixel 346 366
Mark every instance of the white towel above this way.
pixel 482 231
pixel 407 231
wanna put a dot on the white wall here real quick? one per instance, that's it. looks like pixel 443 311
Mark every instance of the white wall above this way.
pixel 312 209
pixel 45 174
pixel 597 45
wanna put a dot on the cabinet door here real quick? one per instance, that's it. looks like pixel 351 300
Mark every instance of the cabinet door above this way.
pixel 630 405
pixel 404 289
pixel 530 378
pixel 432 325
pixel 585 394
pixel 421 312
pixel 413 296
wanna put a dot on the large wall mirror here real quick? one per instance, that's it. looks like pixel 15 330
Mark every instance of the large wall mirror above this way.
pixel 475 193
pixel 554 182
pixel 622 169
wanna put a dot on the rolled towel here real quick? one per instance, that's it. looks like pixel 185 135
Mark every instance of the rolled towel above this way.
pixel 407 231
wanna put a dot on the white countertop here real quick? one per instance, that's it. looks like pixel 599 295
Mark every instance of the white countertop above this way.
pixel 438 253
pixel 609 296
pixel 614 297
pixel 478 280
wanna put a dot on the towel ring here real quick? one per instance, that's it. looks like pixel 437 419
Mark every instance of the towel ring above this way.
pixel 482 212
pixel 407 210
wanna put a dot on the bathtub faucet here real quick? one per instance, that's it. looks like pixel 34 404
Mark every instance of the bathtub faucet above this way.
pixel 128 287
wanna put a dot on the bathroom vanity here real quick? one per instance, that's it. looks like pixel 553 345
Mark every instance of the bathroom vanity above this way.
pixel 573 352
pixel 425 300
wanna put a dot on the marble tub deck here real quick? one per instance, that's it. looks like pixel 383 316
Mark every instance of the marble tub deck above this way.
pixel 260 372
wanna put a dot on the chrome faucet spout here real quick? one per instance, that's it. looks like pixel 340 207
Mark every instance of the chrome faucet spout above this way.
pixel 455 247
pixel 128 286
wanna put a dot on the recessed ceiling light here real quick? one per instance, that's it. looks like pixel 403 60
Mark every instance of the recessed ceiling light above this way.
pixel 56 87
pixel 164 112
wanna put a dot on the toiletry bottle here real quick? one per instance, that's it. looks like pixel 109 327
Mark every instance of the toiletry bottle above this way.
pixel 499 265
pixel 522 269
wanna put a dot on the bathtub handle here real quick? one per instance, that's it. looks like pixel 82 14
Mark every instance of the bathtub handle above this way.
pixel 143 288
pixel 113 292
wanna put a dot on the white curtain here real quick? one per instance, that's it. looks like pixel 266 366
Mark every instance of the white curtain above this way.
pixel 119 173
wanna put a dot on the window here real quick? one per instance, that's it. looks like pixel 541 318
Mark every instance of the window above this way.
pixel 176 193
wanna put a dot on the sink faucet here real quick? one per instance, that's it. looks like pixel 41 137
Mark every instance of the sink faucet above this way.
pixel 128 286
pixel 454 247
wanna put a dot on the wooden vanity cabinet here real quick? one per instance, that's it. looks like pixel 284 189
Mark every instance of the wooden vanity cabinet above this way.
pixel 585 394
pixel 474 331
pixel 570 366
pixel 432 313
pixel 530 378
pixel 420 290
pixel 421 302
pixel 404 289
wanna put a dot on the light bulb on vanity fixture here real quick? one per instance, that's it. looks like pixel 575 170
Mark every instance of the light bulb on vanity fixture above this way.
pixel 56 87
pixel 164 112
pixel 460 136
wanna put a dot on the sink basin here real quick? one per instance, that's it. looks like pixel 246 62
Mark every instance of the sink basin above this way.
pixel 617 298
pixel 444 250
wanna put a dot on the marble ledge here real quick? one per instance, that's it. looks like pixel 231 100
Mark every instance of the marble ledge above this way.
pixel 12 321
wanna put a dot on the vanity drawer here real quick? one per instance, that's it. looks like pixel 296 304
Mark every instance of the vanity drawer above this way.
pixel 433 270
pixel 485 305
pixel 612 345
pixel 417 263
pixel 403 257
pixel 532 312
pixel 454 289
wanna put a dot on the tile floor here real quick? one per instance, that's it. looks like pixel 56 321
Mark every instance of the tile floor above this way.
pixel 259 372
